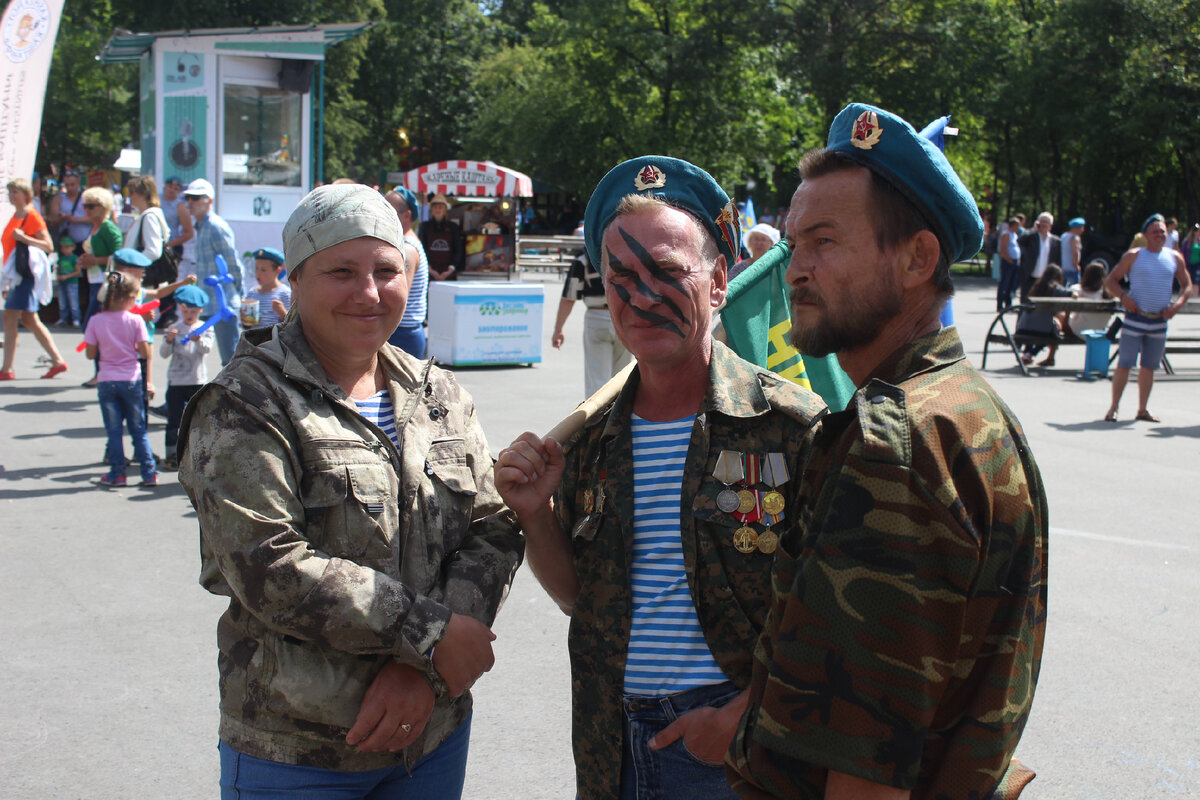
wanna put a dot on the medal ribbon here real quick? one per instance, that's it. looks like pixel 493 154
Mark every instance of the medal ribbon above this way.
pixel 775 470
pixel 753 469
pixel 729 468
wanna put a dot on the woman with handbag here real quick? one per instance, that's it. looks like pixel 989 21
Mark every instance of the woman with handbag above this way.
pixel 26 279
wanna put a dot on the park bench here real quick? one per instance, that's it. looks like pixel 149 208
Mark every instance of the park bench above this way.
pixel 1015 340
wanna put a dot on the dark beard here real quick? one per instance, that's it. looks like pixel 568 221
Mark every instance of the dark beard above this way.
pixel 847 329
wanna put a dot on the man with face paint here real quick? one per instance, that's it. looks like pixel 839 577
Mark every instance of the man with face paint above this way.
pixel 905 637
pixel 654 527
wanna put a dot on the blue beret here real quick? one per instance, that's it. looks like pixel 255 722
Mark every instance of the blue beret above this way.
pixel 128 257
pixel 410 200
pixel 1150 220
pixel 1078 222
pixel 683 185
pixel 192 296
pixel 270 254
pixel 890 147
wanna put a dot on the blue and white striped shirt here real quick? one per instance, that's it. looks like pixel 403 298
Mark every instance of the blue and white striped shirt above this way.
pixel 414 311
pixel 667 650
pixel 378 409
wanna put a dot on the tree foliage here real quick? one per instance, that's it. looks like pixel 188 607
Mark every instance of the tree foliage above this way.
pixel 1077 106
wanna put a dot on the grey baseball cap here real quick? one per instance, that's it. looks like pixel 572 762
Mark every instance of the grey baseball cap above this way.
pixel 334 214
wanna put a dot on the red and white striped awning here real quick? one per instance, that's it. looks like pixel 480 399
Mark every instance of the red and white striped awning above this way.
pixel 465 179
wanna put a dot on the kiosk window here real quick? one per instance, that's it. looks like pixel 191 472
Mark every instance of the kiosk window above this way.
pixel 262 136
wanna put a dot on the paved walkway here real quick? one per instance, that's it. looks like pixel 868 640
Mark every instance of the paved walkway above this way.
pixel 107 656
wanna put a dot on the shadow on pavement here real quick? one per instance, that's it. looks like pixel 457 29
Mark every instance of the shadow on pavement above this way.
pixel 50 406
pixel 69 433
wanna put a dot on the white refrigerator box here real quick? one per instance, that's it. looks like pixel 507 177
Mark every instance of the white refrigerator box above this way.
pixel 477 322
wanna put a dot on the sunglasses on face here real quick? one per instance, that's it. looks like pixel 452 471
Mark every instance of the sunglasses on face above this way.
pixel 90 206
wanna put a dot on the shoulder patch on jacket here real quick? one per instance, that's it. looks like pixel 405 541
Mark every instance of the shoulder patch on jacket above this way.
pixel 883 419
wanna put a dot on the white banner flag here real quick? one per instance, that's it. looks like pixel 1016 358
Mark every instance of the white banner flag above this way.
pixel 27 33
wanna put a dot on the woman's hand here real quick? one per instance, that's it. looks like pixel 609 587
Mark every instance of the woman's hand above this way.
pixel 393 711
pixel 528 472
pixel 463 653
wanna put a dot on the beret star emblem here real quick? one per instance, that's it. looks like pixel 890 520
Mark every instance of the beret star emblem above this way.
pixel 649 177
pixel 866 131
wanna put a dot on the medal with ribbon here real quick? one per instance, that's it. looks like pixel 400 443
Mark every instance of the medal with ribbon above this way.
pixel 750 508
pixel 729 470
pixel 775 474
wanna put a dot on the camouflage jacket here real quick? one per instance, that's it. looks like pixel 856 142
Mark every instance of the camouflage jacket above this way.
pixel 748 410
pixel 906 632
pixel 336 551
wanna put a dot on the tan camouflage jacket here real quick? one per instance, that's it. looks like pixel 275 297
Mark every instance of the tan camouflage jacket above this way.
pixel 905 638
pixel 748 410
pixel 337 552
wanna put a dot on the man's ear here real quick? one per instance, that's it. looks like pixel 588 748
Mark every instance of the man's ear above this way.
pixel 720 283
pixel 921 257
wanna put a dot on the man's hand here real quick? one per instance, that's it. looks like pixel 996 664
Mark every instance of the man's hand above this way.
pixel 1128 304
pixel 463 653
pixel 706 732
pixel 394 710
pixel 528 472
pixel 556 341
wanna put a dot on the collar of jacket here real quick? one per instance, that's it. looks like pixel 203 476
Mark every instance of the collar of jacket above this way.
pixel 733 390
pixel 923 354
pixel 286 346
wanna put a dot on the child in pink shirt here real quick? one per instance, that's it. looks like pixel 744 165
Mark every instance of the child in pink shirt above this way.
pixel 119 338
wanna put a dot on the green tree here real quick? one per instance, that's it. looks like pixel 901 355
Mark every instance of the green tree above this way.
pixel 91 109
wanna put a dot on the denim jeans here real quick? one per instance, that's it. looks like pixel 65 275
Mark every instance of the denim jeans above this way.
pixel 1010 279
pixel 122 404
pixel 177 398
pixel 437 776
pixel 68 303
pixel 93 303
pixel 672 772
pixel 227 333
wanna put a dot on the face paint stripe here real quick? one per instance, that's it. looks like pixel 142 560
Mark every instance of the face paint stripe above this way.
pixel 649 316
pixel 643 288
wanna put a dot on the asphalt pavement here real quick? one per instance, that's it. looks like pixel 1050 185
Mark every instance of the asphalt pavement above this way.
pixel 108 681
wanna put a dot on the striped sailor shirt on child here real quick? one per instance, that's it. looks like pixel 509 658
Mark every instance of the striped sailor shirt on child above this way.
pixel 667 649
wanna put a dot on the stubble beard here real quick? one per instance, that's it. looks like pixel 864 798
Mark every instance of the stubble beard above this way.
pixel 858 323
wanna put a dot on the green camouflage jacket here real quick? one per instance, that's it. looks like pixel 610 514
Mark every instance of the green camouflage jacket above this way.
pixel 748 410
pixel 336 551
pixel 906 632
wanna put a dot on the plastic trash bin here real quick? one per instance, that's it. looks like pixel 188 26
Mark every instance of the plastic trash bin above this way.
pixel 1095 360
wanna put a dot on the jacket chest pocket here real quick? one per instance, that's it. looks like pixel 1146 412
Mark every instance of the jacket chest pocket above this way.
pixel 350 510
pixel 446 497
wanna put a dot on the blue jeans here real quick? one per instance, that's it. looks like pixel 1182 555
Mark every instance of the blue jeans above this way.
pixel 122 404
pixel 410 339
pixel 437 776
pixel 227 333
pixel 1010 279
pixel 672 772
pixel 68 303
pixel 93 304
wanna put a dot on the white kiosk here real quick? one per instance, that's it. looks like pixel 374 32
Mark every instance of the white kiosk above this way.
pixel 241 107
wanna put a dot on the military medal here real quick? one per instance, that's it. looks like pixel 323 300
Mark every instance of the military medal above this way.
pixel 750 508
pixel 767 541
pixel 775 472
pixel 745 539
pixel 729 470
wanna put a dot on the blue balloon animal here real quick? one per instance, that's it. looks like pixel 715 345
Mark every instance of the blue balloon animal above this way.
pixel 224 312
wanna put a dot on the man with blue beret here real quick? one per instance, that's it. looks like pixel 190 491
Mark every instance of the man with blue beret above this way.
pixel 409 335
pixel 906 630
pixel 654 527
